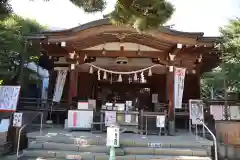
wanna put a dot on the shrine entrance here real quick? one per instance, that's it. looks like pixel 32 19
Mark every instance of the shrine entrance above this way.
pixel 140 95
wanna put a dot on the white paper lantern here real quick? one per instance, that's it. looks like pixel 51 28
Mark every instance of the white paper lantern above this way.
pixel 150 72
pixel 105 75
pixel 135 78
pixel 99 75
pixel 120 78
pixel 91 70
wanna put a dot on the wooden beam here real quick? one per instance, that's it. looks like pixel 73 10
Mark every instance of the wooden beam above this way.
pixel 176 48
pixel 144 54
pixel 143 40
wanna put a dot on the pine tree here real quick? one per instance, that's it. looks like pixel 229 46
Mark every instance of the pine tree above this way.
pixel 5 8
pixel 140 14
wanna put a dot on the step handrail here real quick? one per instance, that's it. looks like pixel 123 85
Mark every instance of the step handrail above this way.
pixel 25 125
pixel 213 136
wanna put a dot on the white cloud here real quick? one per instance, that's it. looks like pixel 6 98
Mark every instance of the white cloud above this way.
pixel 190 16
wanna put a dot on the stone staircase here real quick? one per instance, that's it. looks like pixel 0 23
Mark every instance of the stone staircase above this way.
pixel 87 146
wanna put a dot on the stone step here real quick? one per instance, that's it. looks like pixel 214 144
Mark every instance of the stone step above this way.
pixel 165 151
pixel 70 140
pixel 91 155
pixel 123 142
pixel 30 158
pixel 128 157
pixel 73 147
pixel 61 154
pixel 119 151
pixel 68 147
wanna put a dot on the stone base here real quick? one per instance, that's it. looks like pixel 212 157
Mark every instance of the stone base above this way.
pixel 171 128
pixel 229 151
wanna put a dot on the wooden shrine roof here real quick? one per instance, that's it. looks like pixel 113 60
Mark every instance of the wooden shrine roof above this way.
pixel 164 40
pixel 102 28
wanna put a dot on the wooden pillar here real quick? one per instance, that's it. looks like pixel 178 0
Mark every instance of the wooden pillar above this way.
pixel 85 86
pixel 170 87
pixel 198 78
pixel 75 59
pixel 71 85
pixel 170 96
pixel 75 88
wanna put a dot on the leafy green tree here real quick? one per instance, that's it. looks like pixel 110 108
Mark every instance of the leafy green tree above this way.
pixel 229 69
pixel 212 84
pixel 14 49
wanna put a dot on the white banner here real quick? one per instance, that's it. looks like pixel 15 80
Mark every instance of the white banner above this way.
pixel 196 110
pixel 61 78
pixel 113 136
pixel 160 121
pixel 235 112
pixel 17 119
pixel 110 117
pixel 128 118
pixel 217 111
pixel 154 98
pixel 179 76
pixel 9 97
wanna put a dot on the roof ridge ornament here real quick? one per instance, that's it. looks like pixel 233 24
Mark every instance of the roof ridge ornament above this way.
pixel 121 36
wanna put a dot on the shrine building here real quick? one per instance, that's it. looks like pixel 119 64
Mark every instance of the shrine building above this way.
pixel 114 64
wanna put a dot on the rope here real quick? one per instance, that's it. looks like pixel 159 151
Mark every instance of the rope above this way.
pixel 115 72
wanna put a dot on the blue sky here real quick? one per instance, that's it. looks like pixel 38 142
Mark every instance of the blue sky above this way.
pixel 190 15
